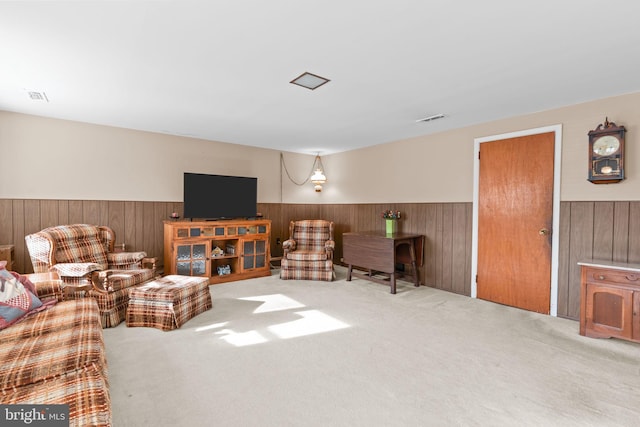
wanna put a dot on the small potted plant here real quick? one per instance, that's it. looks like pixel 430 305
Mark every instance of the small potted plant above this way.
pixel 391 218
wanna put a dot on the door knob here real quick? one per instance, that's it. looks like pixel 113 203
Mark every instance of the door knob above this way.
pixel 543 232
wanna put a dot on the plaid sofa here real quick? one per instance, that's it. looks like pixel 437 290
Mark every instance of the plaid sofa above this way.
pixel 308 253
pixel 84 258
pixel 57 356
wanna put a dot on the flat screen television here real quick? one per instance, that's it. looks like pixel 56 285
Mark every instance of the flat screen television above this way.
pixel 219 196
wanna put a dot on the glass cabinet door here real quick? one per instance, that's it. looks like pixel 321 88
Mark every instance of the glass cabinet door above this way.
pixel 191 259
pixel 261 253
pixel 249 255
pixel 255 254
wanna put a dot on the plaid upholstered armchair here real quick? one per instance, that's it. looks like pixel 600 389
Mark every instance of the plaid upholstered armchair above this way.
pixel 308 253
pixel 84 258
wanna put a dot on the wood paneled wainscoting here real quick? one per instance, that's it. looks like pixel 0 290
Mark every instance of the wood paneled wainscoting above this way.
pixel 604 230
pixel 586 231
pixel 137 224
pixel 447 227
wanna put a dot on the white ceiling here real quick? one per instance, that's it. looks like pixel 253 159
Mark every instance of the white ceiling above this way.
pixel 220 69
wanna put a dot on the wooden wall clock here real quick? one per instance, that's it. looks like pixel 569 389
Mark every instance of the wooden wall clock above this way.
pixel 606 153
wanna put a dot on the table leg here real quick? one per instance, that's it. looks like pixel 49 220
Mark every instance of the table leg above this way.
pixel 412 252
pixel 349 272
pixel 392 279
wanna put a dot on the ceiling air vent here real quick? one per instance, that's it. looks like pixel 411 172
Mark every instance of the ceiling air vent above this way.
pixel 38 96
pixel 310 81
pixel 431 118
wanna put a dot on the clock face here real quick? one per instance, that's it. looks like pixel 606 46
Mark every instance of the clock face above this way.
pixel 606 145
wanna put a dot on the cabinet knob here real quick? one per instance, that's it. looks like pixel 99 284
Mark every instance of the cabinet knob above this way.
pixel 601 277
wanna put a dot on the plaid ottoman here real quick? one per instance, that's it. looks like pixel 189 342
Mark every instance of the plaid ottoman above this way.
pixel 168 302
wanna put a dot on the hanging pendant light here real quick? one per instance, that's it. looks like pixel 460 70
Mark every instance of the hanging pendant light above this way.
pixel 318 178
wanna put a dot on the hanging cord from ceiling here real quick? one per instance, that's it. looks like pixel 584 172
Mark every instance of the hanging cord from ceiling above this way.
pixel 283 165
pixel 317 166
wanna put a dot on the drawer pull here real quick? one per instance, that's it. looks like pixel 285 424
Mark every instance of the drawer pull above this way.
pixel 632 278
pixel 601 277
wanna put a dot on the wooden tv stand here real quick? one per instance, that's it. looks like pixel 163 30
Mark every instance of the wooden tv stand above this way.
pixel 190 249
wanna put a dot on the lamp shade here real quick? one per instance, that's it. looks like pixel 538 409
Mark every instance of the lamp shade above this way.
pixel 318 177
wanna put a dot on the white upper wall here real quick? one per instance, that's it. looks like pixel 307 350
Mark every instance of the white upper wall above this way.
pixel 439 167
pixel 57 159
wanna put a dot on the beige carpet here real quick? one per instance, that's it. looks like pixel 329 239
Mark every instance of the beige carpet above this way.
pixel 297 353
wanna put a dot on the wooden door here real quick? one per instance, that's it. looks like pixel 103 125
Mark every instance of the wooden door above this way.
pixel 515 217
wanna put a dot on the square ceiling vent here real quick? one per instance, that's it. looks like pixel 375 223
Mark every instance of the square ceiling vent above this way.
pixel 310 81
pixel 37 95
